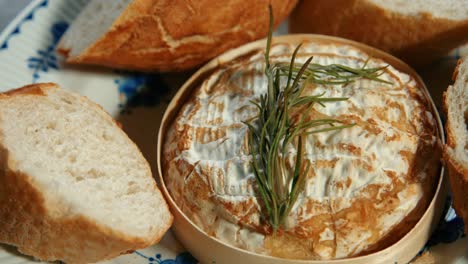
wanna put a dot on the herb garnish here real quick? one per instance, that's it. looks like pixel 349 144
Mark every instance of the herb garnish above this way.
pixel 275 127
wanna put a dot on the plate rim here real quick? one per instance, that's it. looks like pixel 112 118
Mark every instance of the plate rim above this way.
pixel 8 31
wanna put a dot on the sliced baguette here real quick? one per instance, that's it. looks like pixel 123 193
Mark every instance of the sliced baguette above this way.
pixel 456 150
pixel 73 186
pixel 165 35
pixel 417 31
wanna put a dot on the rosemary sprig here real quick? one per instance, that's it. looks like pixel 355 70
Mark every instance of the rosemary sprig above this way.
pixel 276 126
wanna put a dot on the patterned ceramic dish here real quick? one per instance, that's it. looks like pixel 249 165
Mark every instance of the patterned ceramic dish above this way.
pixel 212 250
pixel 27 55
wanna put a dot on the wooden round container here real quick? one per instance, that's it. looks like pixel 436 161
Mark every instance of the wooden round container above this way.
pixel 210 250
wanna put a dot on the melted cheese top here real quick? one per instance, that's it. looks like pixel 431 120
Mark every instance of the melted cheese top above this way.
pixel 367 185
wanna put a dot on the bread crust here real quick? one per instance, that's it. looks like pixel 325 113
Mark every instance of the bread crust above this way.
pixel 34 89
pixel 41 228
pixel 415 39
pixel 458 173
pixel 458 178
pixel 177 35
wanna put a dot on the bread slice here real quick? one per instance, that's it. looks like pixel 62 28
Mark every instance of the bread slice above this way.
pixel 456 150
pixel 73 186
pixel 165 35
pixel 417 31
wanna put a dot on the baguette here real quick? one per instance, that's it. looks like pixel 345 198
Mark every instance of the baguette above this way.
pixel 456 150
pixel 73 186
pixel 417 31
pixel 165 35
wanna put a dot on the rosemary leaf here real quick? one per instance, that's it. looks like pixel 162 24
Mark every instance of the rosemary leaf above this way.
pixel 281 122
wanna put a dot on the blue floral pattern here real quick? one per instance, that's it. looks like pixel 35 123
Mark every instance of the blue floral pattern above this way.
pixel 450 227
pixel 17 29
pixel 47 59
pixel 135 89
pixel 182 258
pixel 140 89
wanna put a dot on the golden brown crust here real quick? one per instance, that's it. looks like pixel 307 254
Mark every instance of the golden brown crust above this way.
pixel 457 68
pixel 26 224
pixel 32 89
pixel 177 35
pixel 33 225
pixel 451 141
pixel 458 173
pixel 416 40
pixel 458 178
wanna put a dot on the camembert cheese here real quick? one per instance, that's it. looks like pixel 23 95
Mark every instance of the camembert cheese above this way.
pixel 367 186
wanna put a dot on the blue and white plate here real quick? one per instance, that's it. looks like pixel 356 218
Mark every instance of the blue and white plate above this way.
pixel 27 55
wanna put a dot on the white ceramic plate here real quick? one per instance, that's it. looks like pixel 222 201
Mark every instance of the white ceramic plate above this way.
pixel 137 101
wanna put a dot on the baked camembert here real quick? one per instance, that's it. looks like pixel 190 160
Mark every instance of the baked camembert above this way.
pixel 367 185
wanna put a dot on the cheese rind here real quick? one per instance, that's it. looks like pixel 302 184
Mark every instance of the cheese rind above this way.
pixel 366 186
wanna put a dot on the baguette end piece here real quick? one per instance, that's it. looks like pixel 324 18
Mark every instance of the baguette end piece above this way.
pixel 53 216
pixel 158 36
pixel 455 102
pixel 414 31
